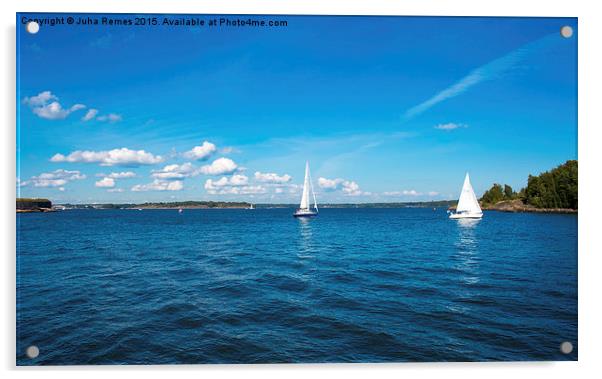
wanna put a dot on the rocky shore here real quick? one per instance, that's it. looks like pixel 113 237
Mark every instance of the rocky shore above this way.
pixel 33 205
pixel 518 206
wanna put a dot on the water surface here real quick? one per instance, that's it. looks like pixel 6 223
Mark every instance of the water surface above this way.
pixel 247 286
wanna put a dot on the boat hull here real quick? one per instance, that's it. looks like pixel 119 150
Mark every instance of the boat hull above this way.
pixel 465 215
pixel 304 214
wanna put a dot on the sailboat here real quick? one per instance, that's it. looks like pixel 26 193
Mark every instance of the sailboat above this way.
pixel 468 205
pixel 304 208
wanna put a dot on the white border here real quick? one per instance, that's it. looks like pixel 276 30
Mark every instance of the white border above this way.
pixel 590 147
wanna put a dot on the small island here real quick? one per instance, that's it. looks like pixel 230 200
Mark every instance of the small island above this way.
pixel 25 205
pixel 553 191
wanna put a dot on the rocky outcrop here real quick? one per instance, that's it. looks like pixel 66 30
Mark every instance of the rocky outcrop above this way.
pixel 518 206
pixel 33 205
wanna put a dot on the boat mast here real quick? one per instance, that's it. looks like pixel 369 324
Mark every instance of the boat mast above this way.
pixel 311 184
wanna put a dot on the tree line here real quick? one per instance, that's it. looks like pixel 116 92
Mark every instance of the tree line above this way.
pixel 556 188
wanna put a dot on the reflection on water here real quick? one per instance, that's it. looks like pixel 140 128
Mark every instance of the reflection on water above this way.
pixel 305 240
pixel 467 250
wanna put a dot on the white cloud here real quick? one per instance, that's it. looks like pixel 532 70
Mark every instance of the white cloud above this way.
pixel 329 184
pixel 40 99
pixel 46 105
pixel 351 188
pixel 111 117
pixel 450 126
pixel 203 151
pixel 159 185
pixel 175 171
pixel 115 190
pixel 123 156
pixel 235 185
pixel 57 178
pixel 122 175
pixel 90 114
pixel 433 193
pixel 270 177
pixel 219 166
pixel 105 182
pixel 348 187
pixel 234 180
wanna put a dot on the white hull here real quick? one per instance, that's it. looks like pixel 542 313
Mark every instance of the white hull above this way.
pixel 304 213
pixel 465 215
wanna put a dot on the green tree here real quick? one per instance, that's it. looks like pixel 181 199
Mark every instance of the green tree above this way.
pixel 554 189
pixel 493 195
pixel 509 193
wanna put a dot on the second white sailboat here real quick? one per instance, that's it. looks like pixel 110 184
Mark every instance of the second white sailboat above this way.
pixel 468 205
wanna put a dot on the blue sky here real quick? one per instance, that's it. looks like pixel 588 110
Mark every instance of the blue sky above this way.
pixel 384 108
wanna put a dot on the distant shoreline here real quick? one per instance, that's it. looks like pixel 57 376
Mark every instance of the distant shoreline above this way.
pixel 511 206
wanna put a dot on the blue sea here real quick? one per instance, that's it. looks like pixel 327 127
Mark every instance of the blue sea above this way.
pixel 259 286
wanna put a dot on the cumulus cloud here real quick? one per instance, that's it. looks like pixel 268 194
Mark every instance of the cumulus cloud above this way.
pixel 46 105
pixel 329 184
pixel 203 151
pixel 351 188
pixel 123 156
pixel 57 178
pixel 270 177
pixel 105 182
pixel 219 166
pixel 90 114
pixel 122 175
pixel 111 117
pixel 40 99
pixel 234 185
pixel 108 180
pixel 348 187
pixel 159 185
pixel 175 171
pixel 450 126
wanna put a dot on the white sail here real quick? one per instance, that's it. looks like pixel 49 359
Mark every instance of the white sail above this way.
pixel 468 202
pixel 306 184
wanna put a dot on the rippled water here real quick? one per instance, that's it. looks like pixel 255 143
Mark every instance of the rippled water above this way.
pixel 352 285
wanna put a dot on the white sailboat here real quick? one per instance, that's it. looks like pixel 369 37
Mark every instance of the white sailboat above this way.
pixel 304 208
pixel 468 205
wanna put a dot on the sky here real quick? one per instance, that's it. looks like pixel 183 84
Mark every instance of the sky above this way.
pixel 385 109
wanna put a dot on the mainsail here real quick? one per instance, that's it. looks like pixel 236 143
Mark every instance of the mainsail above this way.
pixel 306 185
pixel 468 200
